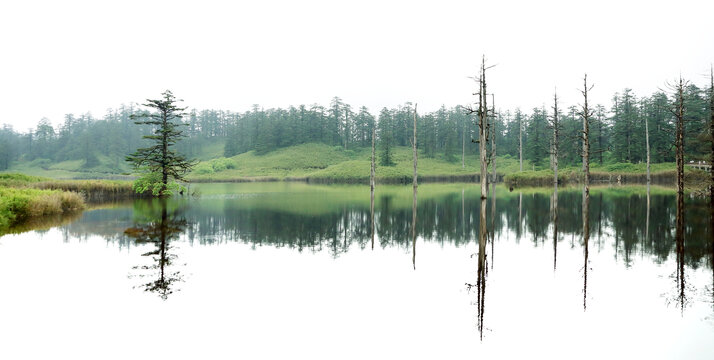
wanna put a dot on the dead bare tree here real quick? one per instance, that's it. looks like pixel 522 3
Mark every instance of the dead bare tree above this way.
pixel 586 240
pixel 711 133
pixel 647 144
pixel 414 185
pixel 678 111
pixel 554 123
pixel 463 148
pixel 493 139
pixel 371 186
pixel 586 113
pixel 414 149
pixel 482 113
pixel 520 139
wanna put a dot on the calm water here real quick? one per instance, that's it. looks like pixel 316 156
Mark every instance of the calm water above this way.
pixel 289 270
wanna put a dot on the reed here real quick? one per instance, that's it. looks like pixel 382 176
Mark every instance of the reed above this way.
pixel 92 190
pixel 18 205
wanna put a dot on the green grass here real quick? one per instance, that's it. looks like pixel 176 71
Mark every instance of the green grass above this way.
pixel 324 162
pixel 627 168
pixel 293 162
pixel 212 150
pixel 18 180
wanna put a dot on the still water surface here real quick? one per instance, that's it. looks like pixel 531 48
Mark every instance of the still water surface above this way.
pixel 278 270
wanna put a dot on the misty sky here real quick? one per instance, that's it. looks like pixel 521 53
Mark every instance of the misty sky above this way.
pixel 61 57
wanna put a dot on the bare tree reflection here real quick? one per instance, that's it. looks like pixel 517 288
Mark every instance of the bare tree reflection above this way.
pixel 493 218
pixel 711 250
pixel 520 216
pixel 586 240
pixel 371 212
pixel 554 212
pixel 158 228
pixel 414 220
pixel 482 271
pixel 679 248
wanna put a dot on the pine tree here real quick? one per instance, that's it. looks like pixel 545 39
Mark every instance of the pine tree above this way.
pixel 160 164
pixel 385 138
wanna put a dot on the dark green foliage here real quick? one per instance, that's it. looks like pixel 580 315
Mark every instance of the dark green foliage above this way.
pixel 386 137
pixel 99 145
pixel 537 149
pixel 160 158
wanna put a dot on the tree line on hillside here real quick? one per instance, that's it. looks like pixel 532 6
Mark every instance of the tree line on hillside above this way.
pixel 617 132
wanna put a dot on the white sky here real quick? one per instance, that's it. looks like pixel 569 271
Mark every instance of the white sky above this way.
pixel 59 57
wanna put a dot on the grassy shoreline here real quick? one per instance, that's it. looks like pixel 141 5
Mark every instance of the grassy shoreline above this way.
pixel 25 198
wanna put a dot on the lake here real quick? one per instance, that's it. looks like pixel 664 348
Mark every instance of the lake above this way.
pixel 292 270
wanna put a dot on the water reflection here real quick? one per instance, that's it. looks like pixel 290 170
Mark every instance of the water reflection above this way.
pixel 157 225
pixel 631 224
pixel 679 240
pixel 586 244
pixel 482 270
pixel 414 222
pixel 554 212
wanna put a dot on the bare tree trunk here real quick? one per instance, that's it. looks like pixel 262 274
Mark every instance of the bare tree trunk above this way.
pixel 520 142
pixel 483 129
pixel 599 136
pixel 371 186
pixel 414 150
pixel 679 135
pixel 647 143
pixel 493 141
pixel 414 185
pixel 463 148
pixel 711 132
pixel 586 114
pixel 556 127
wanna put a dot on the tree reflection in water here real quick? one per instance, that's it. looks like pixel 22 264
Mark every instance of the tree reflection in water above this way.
pixel 586 244
pixel 482 271
pixel 414 221
pixel 156 224
pixel 679 249
pixel 554 211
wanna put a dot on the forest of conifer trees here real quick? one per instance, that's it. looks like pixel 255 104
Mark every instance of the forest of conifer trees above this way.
pixel 617 132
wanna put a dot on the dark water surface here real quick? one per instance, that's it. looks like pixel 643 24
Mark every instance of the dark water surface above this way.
pixel 290 270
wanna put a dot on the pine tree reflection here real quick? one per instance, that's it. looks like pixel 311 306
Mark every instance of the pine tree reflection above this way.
pixel 158 227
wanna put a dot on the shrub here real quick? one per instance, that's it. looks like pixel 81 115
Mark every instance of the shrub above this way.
pixel 203 168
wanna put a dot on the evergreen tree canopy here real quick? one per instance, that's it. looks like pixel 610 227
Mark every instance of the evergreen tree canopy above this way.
pixel 160 163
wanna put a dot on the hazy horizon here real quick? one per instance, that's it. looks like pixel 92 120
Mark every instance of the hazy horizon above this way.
pixel 81 56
